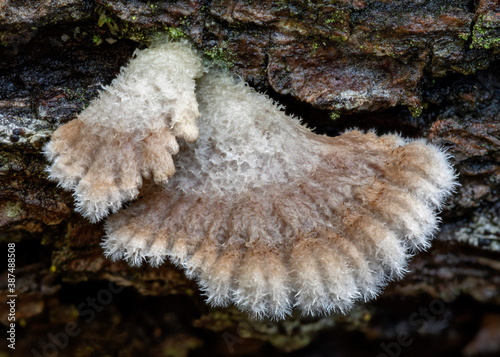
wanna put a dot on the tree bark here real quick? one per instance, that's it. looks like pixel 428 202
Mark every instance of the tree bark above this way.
pixel 423 68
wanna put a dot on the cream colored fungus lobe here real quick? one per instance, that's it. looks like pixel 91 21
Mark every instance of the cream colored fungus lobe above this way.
pixel 262 212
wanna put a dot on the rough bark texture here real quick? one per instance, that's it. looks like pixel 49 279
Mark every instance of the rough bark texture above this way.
pixel 337 64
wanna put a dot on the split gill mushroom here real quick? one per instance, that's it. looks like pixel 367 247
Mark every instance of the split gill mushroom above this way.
pixel 261 211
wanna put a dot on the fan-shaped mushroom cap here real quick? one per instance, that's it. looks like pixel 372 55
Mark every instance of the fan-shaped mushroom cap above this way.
pixel 130 131
pixel 269 216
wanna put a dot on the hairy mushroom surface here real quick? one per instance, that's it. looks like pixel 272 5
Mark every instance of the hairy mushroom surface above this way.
pixel 267 215
pixel 129 132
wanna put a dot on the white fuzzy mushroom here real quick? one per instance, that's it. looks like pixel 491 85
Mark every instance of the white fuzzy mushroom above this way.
pixel 269 216
pixel 129 132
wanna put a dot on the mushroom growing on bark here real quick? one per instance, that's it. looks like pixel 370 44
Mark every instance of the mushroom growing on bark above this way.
pixel 129 132
pixel 262 212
